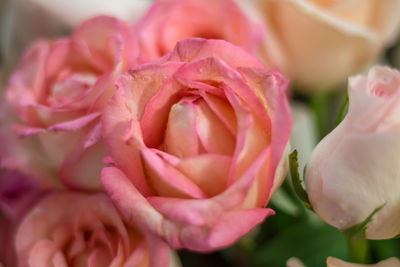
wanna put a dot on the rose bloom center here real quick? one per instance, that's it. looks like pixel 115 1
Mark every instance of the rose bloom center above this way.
pixel 190 143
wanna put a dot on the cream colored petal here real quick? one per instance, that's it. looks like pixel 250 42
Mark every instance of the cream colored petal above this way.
pixel 321 49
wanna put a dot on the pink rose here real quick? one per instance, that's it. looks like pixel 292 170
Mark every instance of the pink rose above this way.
pixel 58 94
pixel 169 21
pixel 75 229
pixel 197 138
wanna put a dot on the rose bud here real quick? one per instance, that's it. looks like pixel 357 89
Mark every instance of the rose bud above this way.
pixel 334 262
pixel 76 229
pixel 58 94
pixel 322 42
pixel 169 21
pixel 198 141
pixel 355 169
pixel 391 262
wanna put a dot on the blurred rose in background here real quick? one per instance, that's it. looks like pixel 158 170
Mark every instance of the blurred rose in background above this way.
pixel 23 21
pixel 57 94
pixel 317 43
pixel 75 229
pixel 321 42
pixel 169 21
pixel 18 193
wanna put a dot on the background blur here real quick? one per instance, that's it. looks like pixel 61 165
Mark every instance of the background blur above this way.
pixel 294 231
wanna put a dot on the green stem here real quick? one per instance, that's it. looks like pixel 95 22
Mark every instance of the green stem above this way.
pixel 320 105
pixel 358 250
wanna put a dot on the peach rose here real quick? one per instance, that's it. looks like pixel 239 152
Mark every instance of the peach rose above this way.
pixel 58 94
pixel 198 141
pixel 355 169
pixel 75 229
pixel 322 42
pixel 169 21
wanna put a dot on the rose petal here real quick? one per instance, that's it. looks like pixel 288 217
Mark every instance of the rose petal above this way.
pixel 167 180
pixel 139 256
pixel 99 40
pixel 100 257
pixel 81 167
pixel 276 104
pixel 229 228
pixel 155 116
pixel 251 139
pixel 207 124
pixel 205 168
pixel 180 137
pixel 59 260
pixel 161 254
pixel 26 131
pixel 26 84
pixel 129 200
pixel 76 124
pixel 215 70
pixel 223 110
pixel 193 49
pixel 207 211
pixel 41 254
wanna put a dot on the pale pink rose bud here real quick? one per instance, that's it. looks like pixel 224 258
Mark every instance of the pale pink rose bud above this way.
pixel 169 21
pixel 58 93
pixel 198 140
pixel 355 169
pixel 320 43
pixel 391 262
pixel 76 229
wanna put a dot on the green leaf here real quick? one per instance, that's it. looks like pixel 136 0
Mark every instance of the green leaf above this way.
pixel 297 183
pixel 343 109
pixel 384 249
pixel 358 231
pixel 311 243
